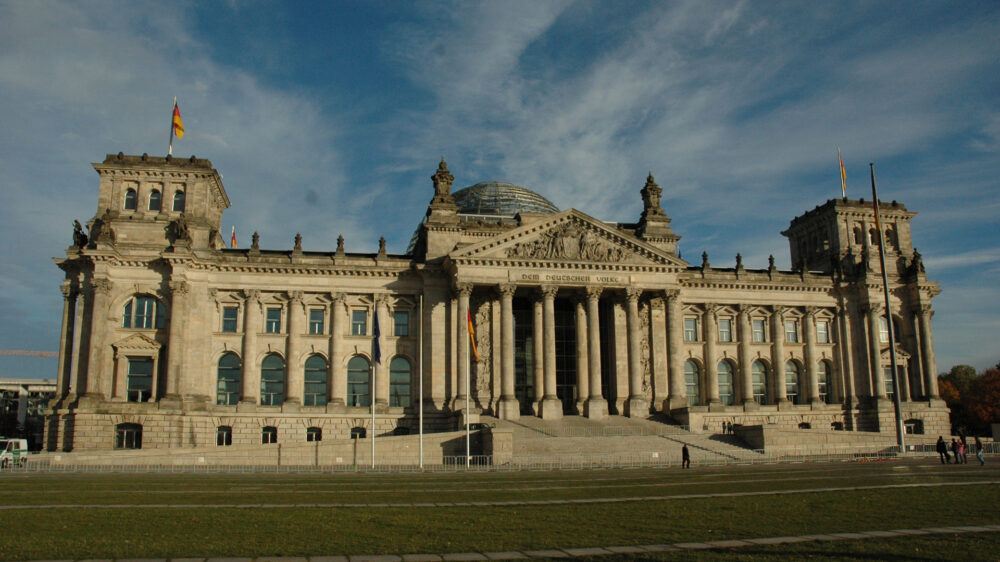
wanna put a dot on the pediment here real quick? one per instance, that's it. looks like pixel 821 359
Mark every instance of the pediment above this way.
pixel 137 342
pixel 901 355
pixel 569 236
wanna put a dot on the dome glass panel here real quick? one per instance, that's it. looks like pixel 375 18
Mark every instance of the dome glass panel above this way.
pixel 502 199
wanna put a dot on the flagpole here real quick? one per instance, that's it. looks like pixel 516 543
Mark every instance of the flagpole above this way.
pixel 420 374
pixel 371 394
pixel 468 431
pixel 170 147
pixel 888 320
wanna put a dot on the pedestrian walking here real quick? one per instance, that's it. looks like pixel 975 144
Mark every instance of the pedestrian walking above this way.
pixel 954 451
pixel 729 427
pixel 979 452
pixel 723 428
pixel 942 449
pixel 961 452
pixel 685 457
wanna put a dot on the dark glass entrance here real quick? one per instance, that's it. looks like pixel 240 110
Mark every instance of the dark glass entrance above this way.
pixel 566 389
pixel 607 322
pixel 524 349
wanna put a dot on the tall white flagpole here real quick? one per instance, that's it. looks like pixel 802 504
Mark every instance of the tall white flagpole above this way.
pixel 468 361
pixel 371 393
pixel 420 374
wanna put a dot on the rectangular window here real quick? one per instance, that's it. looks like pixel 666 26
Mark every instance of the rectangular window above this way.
pixel 883 330
pixel 139 385
pixel 229 317
pixel 401 324
pixel 690 329
pixel 759 330
pixel 359 322
pixel 887 377
pixel 792 331
pixel 273 323
pixel 725 329
pixel 823 331
pixel 317 320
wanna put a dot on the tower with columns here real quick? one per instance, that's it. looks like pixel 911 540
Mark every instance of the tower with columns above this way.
pixel 172 336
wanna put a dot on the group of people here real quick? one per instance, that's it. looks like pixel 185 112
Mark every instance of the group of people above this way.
pixel 727 428
pixel 958 448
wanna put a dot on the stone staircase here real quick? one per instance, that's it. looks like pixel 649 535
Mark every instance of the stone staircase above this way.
pixel 614 439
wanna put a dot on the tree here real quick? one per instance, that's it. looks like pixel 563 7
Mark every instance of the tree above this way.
pixel 974 399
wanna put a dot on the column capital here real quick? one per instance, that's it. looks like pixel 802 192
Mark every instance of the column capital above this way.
pixel 338 298
pixel 506 290
pixel 594 293
pixel 744 308
pixel 810 312
pixel 179 287
pixel 632 294
pixel 101 286
pixel 657 303
pixel 548 291
pixel 251 295
pixel 778 311
pixel 68 291
pixel 295 297
pixel 463 289
pixel 924 310
pixel 711 308
pixel 873 308
pixel 672 294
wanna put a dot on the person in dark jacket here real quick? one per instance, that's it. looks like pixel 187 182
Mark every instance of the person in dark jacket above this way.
pixel 942 449
pixel 954 450
pixel 979 451
pixel 685 457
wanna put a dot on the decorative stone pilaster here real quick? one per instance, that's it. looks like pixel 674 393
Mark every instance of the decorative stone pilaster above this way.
pixel 637 406
pixel 597 406
pixel 463 291
pixel 582 375
pixel 746 373
pixel 175 348
pixel 510 409
pixel 658 351
pixel 96 387
pixel 337 379
pixel 296 373
pixel 778 355
pixel 381 369
pixel 675 357
pixel 927 352
pixel 69 293
pixel 538 351
pixel 874 312
pixel 251 370
pixel 848 393
pixel 710 331
pixel 812 373
pixel 551 405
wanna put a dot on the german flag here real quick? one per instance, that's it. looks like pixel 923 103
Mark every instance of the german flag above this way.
pixel 472 337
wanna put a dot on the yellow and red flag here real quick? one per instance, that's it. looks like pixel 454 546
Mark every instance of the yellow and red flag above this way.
pixel 177 123
pixel 232 242
pixel 472 337
pixel 843 174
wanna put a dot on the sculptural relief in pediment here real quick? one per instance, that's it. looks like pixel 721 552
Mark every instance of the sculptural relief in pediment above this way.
pixel 570 241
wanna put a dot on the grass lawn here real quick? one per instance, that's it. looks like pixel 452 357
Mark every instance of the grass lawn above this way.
pixel 177 515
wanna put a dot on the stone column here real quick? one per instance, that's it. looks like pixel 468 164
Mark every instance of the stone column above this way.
pixel 675 343
pixel 848 393
pixel 658 353
pixel 381 370
pixel 746 372
pixel 295 379
pixel 874 351
pixel 582 375
pixel 597 406
pixel 916 371
pixel 812 373
pixel 177 344
pixel 338 374
pixel 66 340
pixel 96 387
pixel 637 406
pixel 75 355
pixel 710 333
pixel 251 328
pixel 510 409
pixel 551 405
pixel 464 290
pixel 538 352
pixel 778 355
pixel 927 352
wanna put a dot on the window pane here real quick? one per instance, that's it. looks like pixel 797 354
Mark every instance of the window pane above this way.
pixel 179 201
pixel 154 200
pixel 401 324
pixel 315 381
pixel 317 321
pixel 691 380
pixel 399 383
pixel 127 315
pixel 229 316
pixel 224 436
pixel 759 373
pixel 145 310
pixel 357 381
pixel 725 330
pixel 314 434
pixel 273 321
pixel 272 381
pixel 792 382
pixel 824 382
pixel 759 329
pixel 726 382
pixel 139 383
pixel 359 322
pixel 791 331
pixel 823 331
pixel 883 330
pixel 229 377
pixel 690 329
pixel 269 435
pixel 130 200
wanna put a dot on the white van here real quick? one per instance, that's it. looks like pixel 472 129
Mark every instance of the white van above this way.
pixel 13 452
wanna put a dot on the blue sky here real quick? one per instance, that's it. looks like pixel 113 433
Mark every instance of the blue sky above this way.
pixel 328 118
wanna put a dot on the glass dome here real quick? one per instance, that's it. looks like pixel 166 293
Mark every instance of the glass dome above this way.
pixel 502 199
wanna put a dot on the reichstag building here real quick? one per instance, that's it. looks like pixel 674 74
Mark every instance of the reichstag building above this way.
pixel 171 338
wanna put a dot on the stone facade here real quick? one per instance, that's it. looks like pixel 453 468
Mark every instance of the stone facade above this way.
pixel 171 339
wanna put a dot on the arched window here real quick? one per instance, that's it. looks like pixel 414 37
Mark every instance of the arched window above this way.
pixel 139 381
pixel 272 380
pixel 131 199
pixel 357 381
pixel 315 377
pixel 692 379
pixel 726 382
pixel 314 434
pixel 399 383
pixel 228 393
pixel 143 312
pixel 858 236
pixel 224 436
pixel 758 373
pixel 154 200
pixel 269 435
pixel 179 201
pixel 824 378
pixel 128 436
pixel 792 382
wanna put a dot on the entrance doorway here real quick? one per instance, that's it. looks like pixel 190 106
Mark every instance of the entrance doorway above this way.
pixel 524 359
pixel 566 388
